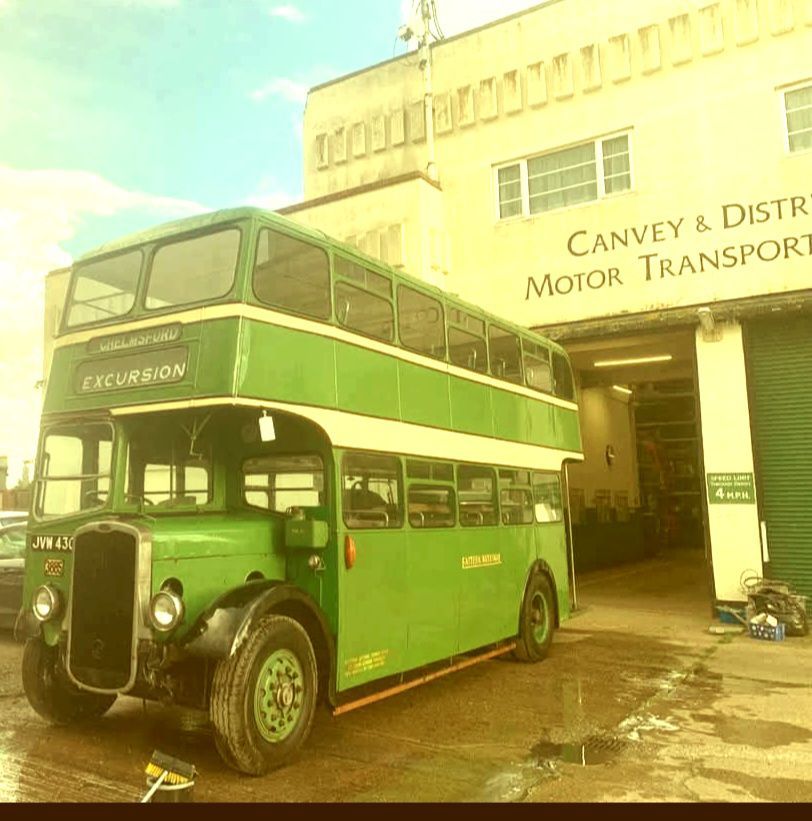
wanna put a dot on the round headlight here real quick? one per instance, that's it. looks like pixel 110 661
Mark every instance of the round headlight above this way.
pixel 45 602
pixel 165 610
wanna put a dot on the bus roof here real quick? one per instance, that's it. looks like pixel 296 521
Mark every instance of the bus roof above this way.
pixel 230 215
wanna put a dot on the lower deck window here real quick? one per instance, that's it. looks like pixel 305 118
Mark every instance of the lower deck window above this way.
pixel 477 496
pixel 431 506
pixel 371 491
pixel 515 497
pixel 284 482
pixel 547 501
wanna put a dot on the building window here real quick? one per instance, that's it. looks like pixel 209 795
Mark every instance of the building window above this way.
pixel 574 175
pixel 798 104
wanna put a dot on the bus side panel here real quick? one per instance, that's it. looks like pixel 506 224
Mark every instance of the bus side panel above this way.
pixel 488 613
pixel 287 365
pixel 541 422
pixel 433 574
pixel 471 407
pixel 568 429
pixel 367 382
pixel 373 608
pixel 551 545
pixel 509 416
pixel 424 396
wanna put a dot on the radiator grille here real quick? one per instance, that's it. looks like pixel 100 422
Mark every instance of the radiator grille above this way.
pixel 102 609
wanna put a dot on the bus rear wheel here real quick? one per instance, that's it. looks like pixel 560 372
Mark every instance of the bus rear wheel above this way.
pixel 52 694
pixel 537 620
pixel 263 698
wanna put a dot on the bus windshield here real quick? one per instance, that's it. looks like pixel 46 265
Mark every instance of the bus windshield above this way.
pixel 167 469
pixel 181 272
pixel 104 289
pixel 74 469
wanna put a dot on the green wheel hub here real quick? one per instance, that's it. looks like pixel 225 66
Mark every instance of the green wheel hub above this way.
pixel 539 618
pixel 278 696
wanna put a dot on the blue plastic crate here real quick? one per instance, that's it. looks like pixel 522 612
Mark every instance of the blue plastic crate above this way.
pixel 767 633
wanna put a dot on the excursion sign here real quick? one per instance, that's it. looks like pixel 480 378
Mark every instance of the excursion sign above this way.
pixel 135 371
pixel 731 489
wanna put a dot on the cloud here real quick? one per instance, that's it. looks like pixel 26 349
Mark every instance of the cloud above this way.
pixel 284 87
pixel 456 16
pixel 287 12
pixel 40 210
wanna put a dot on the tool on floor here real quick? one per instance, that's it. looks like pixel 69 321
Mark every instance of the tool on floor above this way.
pixel 169 775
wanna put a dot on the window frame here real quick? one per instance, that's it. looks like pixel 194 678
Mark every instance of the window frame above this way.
pixel 41 479
pixel 438 298
pixel 157 247
pixel 597 141
pixel 433 484
pixel 146 257
pixel 783 91
pixel 563 507
pixel 337 278
pixel 548 350
pixel 495 494
pixel 272 454
pixel 330 317
pixel 517 336
pixel 401 486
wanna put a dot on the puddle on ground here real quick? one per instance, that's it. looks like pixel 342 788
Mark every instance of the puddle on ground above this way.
pixel 594 750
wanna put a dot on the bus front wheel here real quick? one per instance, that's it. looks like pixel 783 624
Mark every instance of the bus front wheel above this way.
pixel 52 694
pixel 263 698
pixel 537 620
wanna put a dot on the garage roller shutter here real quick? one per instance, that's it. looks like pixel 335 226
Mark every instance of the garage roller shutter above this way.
pixel 780 372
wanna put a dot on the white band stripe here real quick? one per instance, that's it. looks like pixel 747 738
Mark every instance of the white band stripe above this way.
pixel 271 317
pixel 351 430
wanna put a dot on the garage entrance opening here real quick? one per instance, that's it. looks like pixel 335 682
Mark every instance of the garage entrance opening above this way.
pixel 638 494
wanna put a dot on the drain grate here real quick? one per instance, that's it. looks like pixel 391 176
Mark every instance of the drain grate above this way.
pixel 595 749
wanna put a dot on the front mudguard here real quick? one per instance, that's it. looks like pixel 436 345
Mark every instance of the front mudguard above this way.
pixel 221 629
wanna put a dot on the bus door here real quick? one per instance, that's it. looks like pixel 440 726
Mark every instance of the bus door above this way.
pixel 485 613
pixel 372 579
pixel 432 562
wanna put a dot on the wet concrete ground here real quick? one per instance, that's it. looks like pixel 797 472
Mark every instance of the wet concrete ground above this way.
pixel 637 701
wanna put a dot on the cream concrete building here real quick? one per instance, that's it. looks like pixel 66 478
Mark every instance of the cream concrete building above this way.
pixel 635 180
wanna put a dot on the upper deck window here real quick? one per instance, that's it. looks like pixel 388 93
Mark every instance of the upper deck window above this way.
pixel 193 270
pixel 420 322
pixel 367 306
pixel 562 376
pixel 292 275
pixel 537 366
pixel 104 289
pixel 466 341
pixel 506 354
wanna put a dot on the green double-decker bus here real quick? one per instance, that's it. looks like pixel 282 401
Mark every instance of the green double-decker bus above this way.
pixel 272 469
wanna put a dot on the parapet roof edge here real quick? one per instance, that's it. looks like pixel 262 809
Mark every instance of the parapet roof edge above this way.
pixel 434 45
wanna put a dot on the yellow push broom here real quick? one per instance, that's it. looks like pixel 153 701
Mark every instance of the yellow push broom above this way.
pixel 164 769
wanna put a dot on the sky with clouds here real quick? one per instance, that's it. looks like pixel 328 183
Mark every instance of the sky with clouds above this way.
pixel 120 114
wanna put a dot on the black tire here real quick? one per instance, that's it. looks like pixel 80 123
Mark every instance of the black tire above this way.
pixel 52 694
pixel 246 742
pixel 536 620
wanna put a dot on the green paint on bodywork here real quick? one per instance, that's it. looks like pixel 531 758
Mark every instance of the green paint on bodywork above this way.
pixel 414 595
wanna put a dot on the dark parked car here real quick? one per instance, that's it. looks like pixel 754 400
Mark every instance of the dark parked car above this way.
pixel 12 561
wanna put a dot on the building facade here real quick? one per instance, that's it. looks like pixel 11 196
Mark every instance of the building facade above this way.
pixel 635 181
